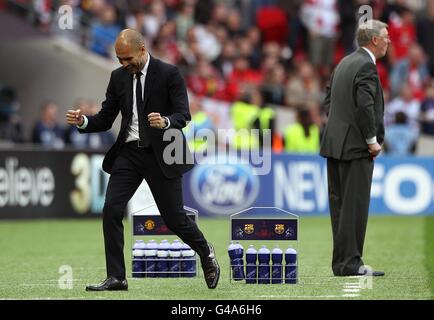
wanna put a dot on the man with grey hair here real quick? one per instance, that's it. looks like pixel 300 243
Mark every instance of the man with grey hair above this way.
pixel 352 139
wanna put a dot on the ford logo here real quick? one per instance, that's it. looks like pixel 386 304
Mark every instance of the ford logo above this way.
pixel 224 189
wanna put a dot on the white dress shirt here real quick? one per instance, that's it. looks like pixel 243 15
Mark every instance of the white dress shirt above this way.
pixel 133 128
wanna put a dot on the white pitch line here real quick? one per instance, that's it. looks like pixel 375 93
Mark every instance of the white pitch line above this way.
pixel 37 285
pixel 350 295
pixel 351 284
pixel 351 290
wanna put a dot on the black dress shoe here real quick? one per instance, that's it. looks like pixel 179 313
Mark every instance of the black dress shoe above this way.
pixel 372 273
pixel 364 271
pixel 211 268
pixel 367 271
pixel 109 284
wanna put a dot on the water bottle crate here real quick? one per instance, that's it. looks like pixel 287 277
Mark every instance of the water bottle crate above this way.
pixel 166 266
pixel 164 274
pixel 284 273
pixel 153 225
pixel 267 280
pixel 163 259
pixel 155 259
pixel 258 264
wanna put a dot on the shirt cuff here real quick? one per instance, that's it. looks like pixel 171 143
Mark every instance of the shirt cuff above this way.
pixel 372 140
pixel 84 125
pixel 168 123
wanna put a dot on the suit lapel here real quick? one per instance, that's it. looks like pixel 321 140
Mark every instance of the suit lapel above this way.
pixel 150 78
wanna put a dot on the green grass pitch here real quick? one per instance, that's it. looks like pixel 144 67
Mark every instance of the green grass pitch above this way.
pixel 31 253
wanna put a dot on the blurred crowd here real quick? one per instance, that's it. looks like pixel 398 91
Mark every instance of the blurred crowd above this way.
pixel 49 130
pixel 257 57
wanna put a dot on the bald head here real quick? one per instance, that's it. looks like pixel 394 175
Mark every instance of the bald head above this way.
pixel 131 38
pixel 130 50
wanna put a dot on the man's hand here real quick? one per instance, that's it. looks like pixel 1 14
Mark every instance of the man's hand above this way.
pixel 156 120
pixel 374 149
pixel 74 117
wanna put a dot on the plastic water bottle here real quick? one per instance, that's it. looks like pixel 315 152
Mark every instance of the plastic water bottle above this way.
pixel 188 262
pixel 264 265
pixel 162 265
pixel 240 255
pixel 139 265
pixel 277 267
pixel 175 259
pixel 291 266
pixel 235 251
pixel 151 258
pixel 251 268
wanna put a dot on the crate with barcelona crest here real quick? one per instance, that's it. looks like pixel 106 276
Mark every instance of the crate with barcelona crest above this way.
pixel 263 246
pixel 156 253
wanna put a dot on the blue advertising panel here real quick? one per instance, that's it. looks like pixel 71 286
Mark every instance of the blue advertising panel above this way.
pixel 298 183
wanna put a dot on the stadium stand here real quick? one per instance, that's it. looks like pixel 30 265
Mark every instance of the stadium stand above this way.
pixel 283 49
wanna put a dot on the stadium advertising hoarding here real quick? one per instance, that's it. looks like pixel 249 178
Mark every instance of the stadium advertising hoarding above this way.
pixel 50 183
pixel 47 183
pixel 401 186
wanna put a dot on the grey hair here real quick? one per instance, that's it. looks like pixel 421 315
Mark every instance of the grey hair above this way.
pixel 367 30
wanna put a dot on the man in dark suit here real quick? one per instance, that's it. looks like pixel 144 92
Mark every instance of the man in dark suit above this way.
pixel 352 139
pixel 152 99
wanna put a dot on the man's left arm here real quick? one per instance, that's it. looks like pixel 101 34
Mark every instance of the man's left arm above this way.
pixel 327 99
pixel 178 100
pixel 365 92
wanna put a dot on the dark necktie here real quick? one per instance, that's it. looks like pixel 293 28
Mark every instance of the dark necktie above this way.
pixel 144 139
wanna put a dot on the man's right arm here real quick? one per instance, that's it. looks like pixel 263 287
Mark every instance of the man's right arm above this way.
pixel 104 119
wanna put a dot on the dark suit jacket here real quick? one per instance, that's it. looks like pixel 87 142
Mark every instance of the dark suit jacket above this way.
pixel 165 93
pixel 355 107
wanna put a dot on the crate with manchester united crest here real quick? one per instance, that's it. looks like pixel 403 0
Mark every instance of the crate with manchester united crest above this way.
pixel 156 253
pixel 263 246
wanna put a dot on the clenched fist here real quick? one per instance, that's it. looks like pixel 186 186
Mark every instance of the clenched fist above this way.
pixel 74 117
pixel 157 121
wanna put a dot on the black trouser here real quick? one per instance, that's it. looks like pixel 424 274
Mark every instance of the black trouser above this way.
pixel 131 166
pixel 349 185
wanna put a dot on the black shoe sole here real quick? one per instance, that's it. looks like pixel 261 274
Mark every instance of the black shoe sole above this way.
pixel 115 289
